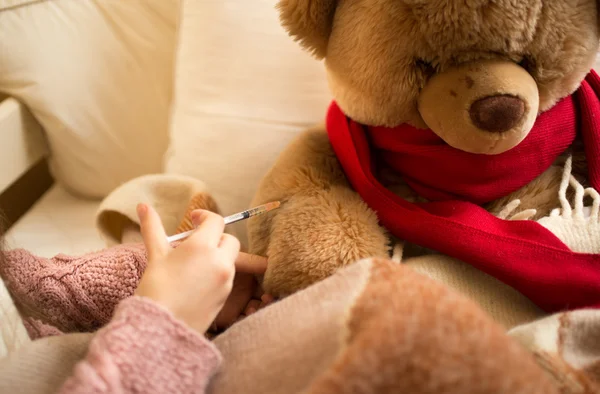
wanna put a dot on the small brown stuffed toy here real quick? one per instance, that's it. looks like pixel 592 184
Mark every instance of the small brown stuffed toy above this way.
pixel 444 113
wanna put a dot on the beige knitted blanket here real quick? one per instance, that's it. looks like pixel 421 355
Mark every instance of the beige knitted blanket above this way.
pixel 347 332
pixel 315 335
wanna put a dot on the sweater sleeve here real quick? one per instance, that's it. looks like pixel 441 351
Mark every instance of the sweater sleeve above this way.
pixel 73 293
pixel 144 349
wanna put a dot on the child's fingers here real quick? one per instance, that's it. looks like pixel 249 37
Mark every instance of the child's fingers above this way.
pixel 252 307
pixel 251 263
pixel 209 228
pixel 230 246
pixel 267 299
pixel 152 231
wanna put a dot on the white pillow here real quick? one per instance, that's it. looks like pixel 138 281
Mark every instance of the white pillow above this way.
pixel 243 90
pixel 98 76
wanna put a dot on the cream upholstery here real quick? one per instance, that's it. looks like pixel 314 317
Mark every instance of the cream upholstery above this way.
pixel 97 75
pixel 244 89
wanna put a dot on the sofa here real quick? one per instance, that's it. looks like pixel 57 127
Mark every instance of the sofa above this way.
pixel 97 93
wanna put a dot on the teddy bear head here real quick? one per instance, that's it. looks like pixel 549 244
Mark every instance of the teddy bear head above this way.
pixel 475 72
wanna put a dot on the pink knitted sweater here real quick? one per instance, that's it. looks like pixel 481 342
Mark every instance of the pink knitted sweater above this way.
pixel 144 349
pixel 141 347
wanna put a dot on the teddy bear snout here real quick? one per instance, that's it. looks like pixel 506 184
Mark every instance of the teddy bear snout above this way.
pixel 484 107
pixel 497 114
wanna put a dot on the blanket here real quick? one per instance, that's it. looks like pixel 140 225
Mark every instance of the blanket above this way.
pixel 318 340
pixel 563 345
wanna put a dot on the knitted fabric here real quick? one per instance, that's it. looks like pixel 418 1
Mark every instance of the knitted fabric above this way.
pixel 37 329
pixel 523 254
pixel 576 226
pixel 438 172
pixel 73 293
pixel 566 346
pixel 145 349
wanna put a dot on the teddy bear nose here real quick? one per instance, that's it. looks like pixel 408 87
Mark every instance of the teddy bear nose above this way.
pixel 497 114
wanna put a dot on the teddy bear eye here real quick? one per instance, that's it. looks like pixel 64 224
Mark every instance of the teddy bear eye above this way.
pixel 426 67
pixel 528 63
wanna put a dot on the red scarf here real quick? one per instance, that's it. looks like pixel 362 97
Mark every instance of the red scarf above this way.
pixel 522 254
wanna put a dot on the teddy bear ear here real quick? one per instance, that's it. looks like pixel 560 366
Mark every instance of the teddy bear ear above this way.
pixel 309 22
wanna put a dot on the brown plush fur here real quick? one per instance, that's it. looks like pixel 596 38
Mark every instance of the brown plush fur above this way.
pixel 380 55
pixel 322 223
pixel 310 21
pixel 429 341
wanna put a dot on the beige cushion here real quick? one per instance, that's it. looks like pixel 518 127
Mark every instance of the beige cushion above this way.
pixel 243 90
pixel 97 74
pixel 57 223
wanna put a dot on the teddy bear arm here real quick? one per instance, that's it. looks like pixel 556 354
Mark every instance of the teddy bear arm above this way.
pixel 304 165
pixel 541 194
pixel 322 224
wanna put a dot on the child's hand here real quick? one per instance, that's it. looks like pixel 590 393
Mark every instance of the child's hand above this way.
pixel 193 280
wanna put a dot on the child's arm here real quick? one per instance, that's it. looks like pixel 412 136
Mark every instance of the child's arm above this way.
pixel 80 293
pixel 144 349
pixel 73 293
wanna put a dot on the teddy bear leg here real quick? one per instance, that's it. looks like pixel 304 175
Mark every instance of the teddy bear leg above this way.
pixel 322 224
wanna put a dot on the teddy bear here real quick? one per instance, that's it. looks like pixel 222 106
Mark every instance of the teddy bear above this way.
pixel 444 113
